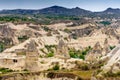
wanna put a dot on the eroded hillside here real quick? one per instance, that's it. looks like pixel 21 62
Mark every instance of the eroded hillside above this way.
pixel 58 47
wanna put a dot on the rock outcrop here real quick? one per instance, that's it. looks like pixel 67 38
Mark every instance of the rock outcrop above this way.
pixel 62 50
pixel 113 63
pixel 106 48
pixel 7 35
pixel 110 32
pixel 83 32
pixel 95 54
pixel 32 56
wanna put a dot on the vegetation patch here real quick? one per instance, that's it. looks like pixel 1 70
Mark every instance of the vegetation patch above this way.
pixel 50 75
pixel 85 75
pixel 112 47
pixel 79 54
pixel 15 19
pixel 85 67
pixel 50 49
pixel 105 23
pixel 56 67
pixel 42 49
pixel 2 47
pixel 22 38
pixel 50 54
pixel 5 70
pixel 67 30
pixel 21 53
pixel 110 74
pixel 46 28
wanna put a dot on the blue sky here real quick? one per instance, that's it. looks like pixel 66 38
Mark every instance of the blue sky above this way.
pixel 93 5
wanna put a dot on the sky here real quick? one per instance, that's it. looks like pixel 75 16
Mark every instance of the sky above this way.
pixel 93 5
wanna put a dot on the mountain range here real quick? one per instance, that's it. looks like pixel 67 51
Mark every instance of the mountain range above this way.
pixel 58 10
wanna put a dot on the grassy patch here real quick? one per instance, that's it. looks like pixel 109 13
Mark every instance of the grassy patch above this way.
pixel 21 53
pixel 84 74
pixel 50 49
pixel 79 54
pixel 50 54
pixel 110 74
pixel 67 30
pixel 5 70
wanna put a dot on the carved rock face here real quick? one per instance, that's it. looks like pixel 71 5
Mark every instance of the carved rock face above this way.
pixel 62 49
pixel 95 53
pixel 6 31
pixel 32 56
pixel 84 31
pixel 31 46
pixel 7 35
pixel 113 62
pixel 106 48
pixel 110 32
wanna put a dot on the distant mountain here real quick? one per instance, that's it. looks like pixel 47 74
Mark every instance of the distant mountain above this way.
pixel 55 10
pixel 18 11
pixel 112 11
pixel 58 10
pixel 64 11
pixel 109 13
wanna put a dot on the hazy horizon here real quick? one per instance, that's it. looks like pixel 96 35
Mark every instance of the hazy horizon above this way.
pixel 92 5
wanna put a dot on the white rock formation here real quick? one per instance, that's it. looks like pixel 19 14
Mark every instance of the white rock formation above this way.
pixel 113 63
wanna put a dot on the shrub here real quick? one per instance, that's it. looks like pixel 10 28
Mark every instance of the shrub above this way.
pixel 82 57
pixel 84 67
pixel 65 38
pixel 25 70
pixel 74 53
pixel 50 75
pixel 74 37
pixel 49 47
pixel 22 38
pixel 98 71
pixel 50 50
pixel 67 30
pixel 50 54
pixel 49 34
pixel 79 54
pixel 56 67
pixel 1 47
pixel 5 70
pixel 118 73
pixel 46 28
pixel 112 47
pixel 42 50
pixel 110 74
pixel 105 23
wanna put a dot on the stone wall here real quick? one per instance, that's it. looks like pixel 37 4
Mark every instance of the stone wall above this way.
pixel 14 64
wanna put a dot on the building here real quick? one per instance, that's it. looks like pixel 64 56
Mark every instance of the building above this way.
pixel 32 56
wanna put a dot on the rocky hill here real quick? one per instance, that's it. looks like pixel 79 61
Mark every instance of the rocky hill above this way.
pixel 54 10
pixel 80 47
pixel 58 10
pixel 113 61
